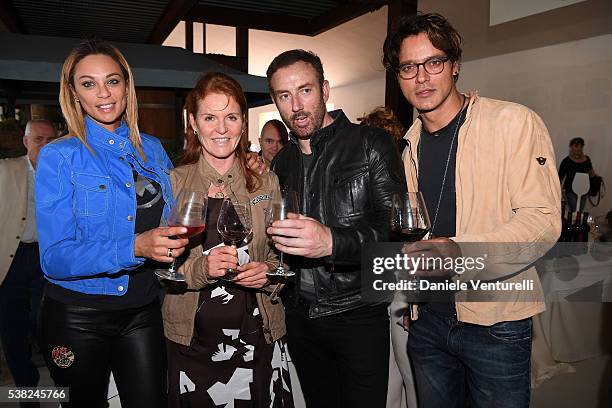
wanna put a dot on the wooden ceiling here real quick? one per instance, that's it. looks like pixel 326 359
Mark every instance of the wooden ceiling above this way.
pixel 151 21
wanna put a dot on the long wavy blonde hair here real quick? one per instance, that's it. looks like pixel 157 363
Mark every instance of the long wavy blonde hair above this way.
pixel 71 108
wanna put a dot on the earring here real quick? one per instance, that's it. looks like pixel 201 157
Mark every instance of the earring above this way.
pixel 76 99
pixel 195 132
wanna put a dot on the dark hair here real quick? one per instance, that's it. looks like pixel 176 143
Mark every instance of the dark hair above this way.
pixel 440 32
pixel 280 128
pixel 291 57
pixel 218 82
pixel 577 141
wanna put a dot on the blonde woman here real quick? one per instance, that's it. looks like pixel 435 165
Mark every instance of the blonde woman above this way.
pixel 100 195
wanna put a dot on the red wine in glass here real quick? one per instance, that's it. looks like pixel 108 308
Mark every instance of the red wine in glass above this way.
pixel 408 234
pixel 191 231
pixel 409 221
pixel 189 211
pixel 234 226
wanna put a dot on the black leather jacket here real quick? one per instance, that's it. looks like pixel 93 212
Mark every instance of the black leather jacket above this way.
pixel 348 187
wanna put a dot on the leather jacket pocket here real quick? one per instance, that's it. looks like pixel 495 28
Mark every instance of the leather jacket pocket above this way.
pixel 350 192
pixel 91 194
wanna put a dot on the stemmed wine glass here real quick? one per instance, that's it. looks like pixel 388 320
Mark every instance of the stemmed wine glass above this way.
pixel 409 217
pixel 189 211
pixel 277 210
pixel 234 225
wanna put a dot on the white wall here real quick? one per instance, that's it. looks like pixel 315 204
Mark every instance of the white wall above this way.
pixel 569 85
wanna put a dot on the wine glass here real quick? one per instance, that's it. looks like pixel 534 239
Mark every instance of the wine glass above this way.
pixel 277 210
pixel 234 225
pixel 409 217
pixel 189 211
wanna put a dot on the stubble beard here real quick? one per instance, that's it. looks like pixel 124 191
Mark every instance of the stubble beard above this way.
pixel 317 115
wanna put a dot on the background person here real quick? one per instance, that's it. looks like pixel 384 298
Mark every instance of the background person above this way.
pixel 21 277
pixel 401 392
pixel 273 138
pixel 100 195
pixel 575 162
pixel 383 117
pixel 225 339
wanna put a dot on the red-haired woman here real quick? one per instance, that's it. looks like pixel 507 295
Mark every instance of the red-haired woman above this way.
pixel 224 339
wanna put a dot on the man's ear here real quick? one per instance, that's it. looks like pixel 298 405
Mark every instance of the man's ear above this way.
pixel 325 89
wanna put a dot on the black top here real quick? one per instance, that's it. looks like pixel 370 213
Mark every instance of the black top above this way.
pixel 143 286
pixel 569 168
pixel 434 150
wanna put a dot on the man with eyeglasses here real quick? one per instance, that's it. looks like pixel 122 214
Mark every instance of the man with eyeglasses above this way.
pixel 487 172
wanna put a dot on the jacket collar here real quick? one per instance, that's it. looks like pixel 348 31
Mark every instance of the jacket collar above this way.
pixel 210 175
pixel 325 133
pixel 413 134
pixel 118 141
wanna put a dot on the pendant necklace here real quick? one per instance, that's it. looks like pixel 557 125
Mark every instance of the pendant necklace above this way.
pixel 463 109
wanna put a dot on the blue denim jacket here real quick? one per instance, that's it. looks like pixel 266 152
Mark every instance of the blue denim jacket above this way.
pixel 86 207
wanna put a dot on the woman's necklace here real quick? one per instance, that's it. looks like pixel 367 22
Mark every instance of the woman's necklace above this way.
pixel 433 225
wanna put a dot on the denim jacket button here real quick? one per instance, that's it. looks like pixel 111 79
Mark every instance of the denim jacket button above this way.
pixel 111 142
pixel 128 184
pixel 120 288
pixel 130 218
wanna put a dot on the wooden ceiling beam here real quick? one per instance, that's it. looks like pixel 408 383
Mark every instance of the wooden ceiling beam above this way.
pixel 343 13
pixel 254 20
pixel 10 18
pixel 176 11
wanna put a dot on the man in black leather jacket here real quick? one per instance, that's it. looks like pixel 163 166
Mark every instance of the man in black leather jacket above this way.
pixel 345 175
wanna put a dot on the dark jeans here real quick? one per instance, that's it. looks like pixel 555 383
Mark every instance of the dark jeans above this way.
pixel 82 345
pixel 465 365
pixel 20 295
pixel 342 360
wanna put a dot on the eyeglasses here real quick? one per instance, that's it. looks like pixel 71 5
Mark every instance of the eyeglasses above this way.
pixel 432 66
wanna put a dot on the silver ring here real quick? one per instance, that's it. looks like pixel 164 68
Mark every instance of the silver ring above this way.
pixel 169 254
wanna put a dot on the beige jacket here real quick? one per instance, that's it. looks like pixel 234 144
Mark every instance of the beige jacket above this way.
pixel 13 208
pixel 504 194
pixel 179 310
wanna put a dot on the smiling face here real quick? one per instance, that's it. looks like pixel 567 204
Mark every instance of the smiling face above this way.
pixel 101 88
pixel 219 124
pixel 300 99
pixel 426 92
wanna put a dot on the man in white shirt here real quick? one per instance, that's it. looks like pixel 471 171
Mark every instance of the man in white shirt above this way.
pixel 21 279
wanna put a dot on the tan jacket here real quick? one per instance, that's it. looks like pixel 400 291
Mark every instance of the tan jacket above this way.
pixel 503 193
pixel 13 208
pixel 179 310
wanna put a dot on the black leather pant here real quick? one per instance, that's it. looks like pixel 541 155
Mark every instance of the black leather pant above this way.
pixel 82 345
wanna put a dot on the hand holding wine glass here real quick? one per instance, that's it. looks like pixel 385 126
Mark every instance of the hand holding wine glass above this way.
pixel 234 225
pixel 189 211
pixel 279 209
pixel 410 223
